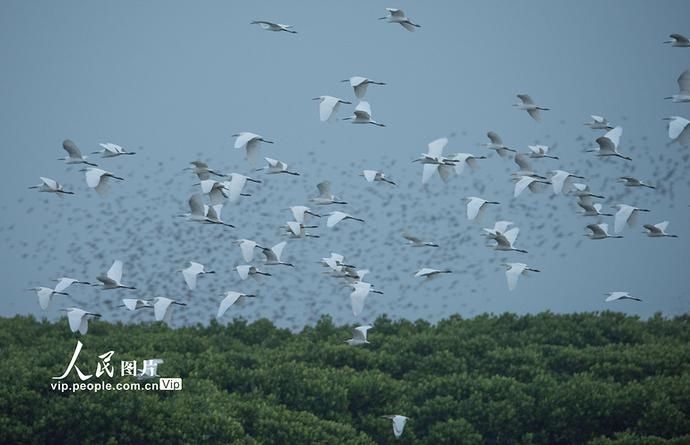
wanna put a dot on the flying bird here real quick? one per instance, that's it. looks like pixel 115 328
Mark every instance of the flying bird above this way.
pixel 113 278
pixel 74 155
pixel 337 216
pixel 608 144
pixel 360 84
pixel 598 123
pixel 251 143
pixel 273 255
pixel 97 179
pixel 497 144
pixel 65 282
pixel 613 296
pixel 276 27
pixel 658 230
pixel 679 41
pixel 398 16
pixel 162 308
pixel 79 319
pixel 417 242
pixel 527 104
pixel 376 176
pixel 45 295
pixel 245 271
pixel 600 231
pixel 476 207
pixel 626 214
pixel 429 273
pixel 398 423
pixel 275 166
pixel 231 297
pixel 111 150
pixel 362 115
pixel 360 292
pixel 359 336
pixel 629 181
pixel 513 272
pixel 678 129
pixel 326 196
pixel 51 186
pixel 329 106
pixel 683 87
pixel 192 272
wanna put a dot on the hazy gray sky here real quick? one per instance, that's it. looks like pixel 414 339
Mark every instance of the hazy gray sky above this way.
pixel 174 80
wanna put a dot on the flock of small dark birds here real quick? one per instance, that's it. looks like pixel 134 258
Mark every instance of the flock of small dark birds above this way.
pixel 352 230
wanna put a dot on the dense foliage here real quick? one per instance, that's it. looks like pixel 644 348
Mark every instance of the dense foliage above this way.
pixel 601 379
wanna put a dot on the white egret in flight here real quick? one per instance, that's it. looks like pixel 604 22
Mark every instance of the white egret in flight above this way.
pixel 45 295
pixel 275 166
pixel 74 155
pixel 398 423
pixel 497 144
pixel 429 273
pixel 273 255
pixel 613 296
pixel 337 216
pixel 398 16
pixel 598 123
pixel 325 195
pixel 376 176
pixel 231 297
pixel 192 272
pixel 683 87
pixel 276 27
pixel 362 115
pixel 112 279
pixel 678 129
pixel 629 181
pixel 359 294
pixel 513 272
pixel 600 231
pixel 608 144
pixel 251 143
pixel 97 179
pixel 111 150
pixel 359 336
pixel 626 214
pixel 79 319
pixel 476 207
pixel 417 242
pixel 51 186
pixel 162 308
pixel 658 230
pixel 678 40
pixel 527 104
pixel 360 84
pixel 329 106
pixel 245 271
pixel 65 282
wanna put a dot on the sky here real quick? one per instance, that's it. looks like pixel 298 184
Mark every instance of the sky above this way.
pixel 172 81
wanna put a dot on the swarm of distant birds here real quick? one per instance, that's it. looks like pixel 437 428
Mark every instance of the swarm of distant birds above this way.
pixel 217 189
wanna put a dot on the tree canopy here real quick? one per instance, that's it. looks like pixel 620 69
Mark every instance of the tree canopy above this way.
pixel 599 379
